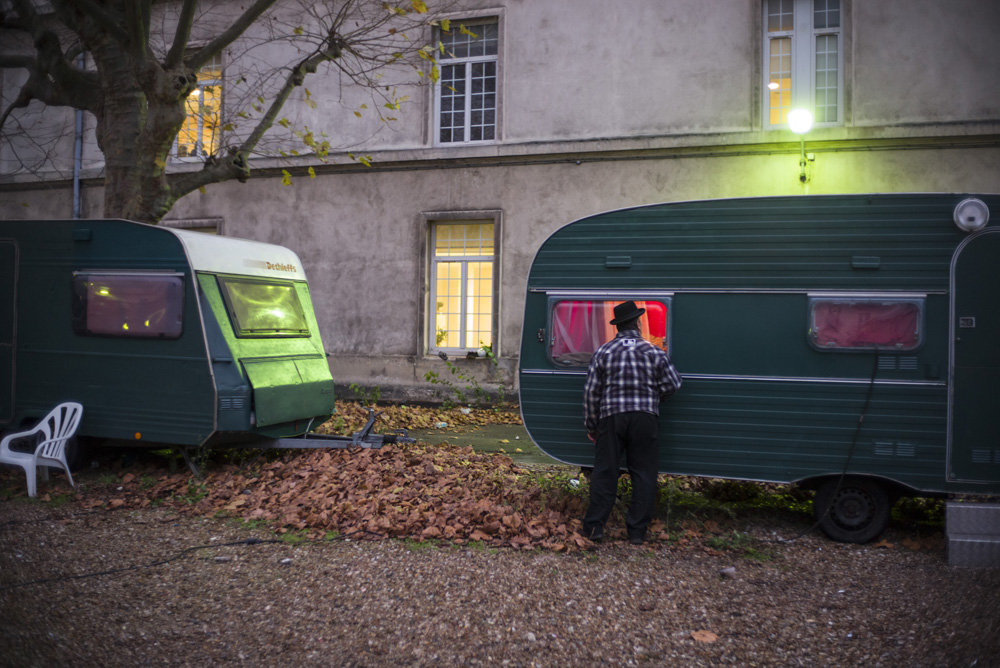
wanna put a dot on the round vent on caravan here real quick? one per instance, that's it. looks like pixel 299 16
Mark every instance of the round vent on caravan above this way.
pixel 971 215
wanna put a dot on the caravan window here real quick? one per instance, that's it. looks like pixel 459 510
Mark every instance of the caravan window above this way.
pixel 579 327
pixel 263 308
pixel 865 324
pixel 128 305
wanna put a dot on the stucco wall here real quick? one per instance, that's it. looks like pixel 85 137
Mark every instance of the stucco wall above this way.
pixel 601 108
pixel 360 235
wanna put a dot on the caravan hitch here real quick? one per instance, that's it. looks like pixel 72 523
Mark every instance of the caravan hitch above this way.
pixel 313 441
pixel 359 439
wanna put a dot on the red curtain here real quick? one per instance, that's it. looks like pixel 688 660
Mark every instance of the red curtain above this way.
pixel 865 325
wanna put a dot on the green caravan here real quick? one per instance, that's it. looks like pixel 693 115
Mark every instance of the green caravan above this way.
pixel 844 343
pixel 167 337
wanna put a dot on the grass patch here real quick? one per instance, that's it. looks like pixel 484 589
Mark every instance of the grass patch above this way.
pixel 480 546
pixel 742 544
pixel 412 545
pixel 295 538
pixel 59 500
pixel 919 512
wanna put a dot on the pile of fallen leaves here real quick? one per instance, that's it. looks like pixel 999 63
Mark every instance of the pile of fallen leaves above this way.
pixel 416 491
pixel 419 491
pixel 351 416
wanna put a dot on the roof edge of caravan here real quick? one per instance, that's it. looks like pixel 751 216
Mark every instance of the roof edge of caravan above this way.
pixel 776 198
pixel 232 255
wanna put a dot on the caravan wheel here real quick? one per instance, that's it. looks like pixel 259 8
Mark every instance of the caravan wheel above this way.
pixel 852 510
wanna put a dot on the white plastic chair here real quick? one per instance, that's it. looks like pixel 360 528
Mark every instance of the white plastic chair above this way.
pixel 55 429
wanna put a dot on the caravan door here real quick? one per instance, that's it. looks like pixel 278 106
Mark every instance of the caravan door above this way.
pixel 974 448
pixel 8 306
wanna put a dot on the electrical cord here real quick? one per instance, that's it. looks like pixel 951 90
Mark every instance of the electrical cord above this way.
pixel 185 551
pixel 8 523
pixel 847 463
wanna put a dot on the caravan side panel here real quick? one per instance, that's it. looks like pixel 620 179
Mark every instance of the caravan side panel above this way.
pixel 765 397
pixel 145 390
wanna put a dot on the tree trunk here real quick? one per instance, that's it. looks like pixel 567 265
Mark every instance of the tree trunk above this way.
pixel 142 113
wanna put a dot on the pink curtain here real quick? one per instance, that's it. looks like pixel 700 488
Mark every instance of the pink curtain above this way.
pixel 580 327
pixel 865 325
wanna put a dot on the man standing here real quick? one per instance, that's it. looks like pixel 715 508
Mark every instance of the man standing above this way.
pixel 627 380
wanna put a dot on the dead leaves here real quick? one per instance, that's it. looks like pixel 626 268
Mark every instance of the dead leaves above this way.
pixel 423 492
pixel 704 636
pixel 350 416
pixel 932 542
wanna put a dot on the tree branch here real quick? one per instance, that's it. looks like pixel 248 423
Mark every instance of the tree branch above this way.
pixel 94 11
pixel 234 31
pixel 182 35
pixel 52 79
pixel 137 20
pixel 9 62
pixel 236 165
pixel 22 100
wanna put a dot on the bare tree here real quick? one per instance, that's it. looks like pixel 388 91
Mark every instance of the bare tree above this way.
pixel 143 60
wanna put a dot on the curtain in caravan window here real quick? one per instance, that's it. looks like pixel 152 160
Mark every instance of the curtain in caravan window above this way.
pixel 128 305
pixel 865 325
pixel 580 327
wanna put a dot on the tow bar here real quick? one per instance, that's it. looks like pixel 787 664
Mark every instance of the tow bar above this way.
pixel 314 441
pixel 359 439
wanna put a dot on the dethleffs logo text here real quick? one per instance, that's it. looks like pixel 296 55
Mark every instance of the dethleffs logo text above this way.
pixel 280 266
pixel 270 266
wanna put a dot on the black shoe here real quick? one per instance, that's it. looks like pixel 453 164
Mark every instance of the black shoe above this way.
pixel 636 540
pixel 594 535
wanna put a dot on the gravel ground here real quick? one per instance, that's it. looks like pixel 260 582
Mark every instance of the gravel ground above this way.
pixel 399 603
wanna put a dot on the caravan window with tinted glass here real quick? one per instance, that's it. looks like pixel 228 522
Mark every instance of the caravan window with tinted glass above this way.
pixel 579 327
pixel 128 305
pixel 865 324
pixel 263 308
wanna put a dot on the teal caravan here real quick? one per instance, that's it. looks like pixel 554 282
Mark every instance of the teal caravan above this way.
pixel 848 343
pixel 166 337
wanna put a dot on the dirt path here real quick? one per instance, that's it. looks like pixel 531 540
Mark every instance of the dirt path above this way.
pixel 400 603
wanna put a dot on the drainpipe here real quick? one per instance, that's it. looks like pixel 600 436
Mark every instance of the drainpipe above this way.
pixel 77 151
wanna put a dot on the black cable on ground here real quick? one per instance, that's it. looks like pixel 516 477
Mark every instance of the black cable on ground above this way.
pixel 185 551
pixel 48 519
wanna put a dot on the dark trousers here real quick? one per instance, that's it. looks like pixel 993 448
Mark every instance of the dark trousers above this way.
pixel 634 434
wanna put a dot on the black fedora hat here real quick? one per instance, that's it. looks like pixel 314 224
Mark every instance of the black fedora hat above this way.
pixel 626 312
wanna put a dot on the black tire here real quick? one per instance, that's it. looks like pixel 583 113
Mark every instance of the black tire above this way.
pixel 854 510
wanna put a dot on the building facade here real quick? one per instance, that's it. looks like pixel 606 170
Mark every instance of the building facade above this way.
pixel 546 112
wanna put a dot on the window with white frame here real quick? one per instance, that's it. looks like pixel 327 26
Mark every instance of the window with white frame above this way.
pixel 199 136
pixel 865 323
pixel 466 92
pixel 803 60
pixel 461 287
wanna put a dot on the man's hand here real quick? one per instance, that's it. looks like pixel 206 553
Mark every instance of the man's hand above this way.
pixel 592 437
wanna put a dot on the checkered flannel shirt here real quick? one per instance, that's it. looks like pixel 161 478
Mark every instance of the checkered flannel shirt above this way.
pixel 627 374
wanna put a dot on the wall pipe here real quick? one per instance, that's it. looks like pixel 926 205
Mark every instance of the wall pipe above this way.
pixel 78 150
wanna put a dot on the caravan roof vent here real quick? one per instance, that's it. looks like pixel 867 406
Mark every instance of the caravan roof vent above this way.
pixel 971 215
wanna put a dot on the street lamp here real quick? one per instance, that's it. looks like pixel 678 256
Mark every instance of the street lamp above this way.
pixel 800 122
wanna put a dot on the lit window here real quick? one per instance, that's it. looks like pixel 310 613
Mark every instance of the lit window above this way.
pixel 148 306
pixel 802 60
pixel 462 286
pixel 199 136
pixel 466 93
pixel 864 324
pixel 263 309
pixel 579 327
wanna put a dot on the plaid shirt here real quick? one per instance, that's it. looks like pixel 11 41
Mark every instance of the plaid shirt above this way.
pixel 627 374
